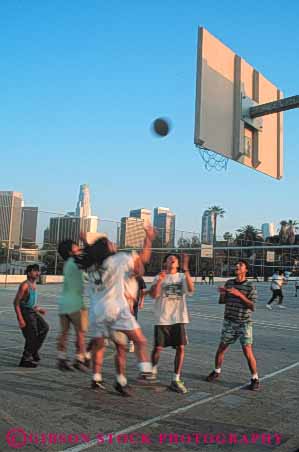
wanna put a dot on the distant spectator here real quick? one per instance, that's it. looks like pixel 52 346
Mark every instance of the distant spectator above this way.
pixel 211 277
pixel 278 279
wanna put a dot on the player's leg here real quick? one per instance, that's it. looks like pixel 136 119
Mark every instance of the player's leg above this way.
pixel 274 295
pixel 135 314
pixel 280 299
pixel 121 384
pixel 30 336
pixel 76 320
pixel 140 343
pixel 246 339
pixel 178 339
pixel 63 363
pixel 228 337
pixel 42 331
pixel 98 351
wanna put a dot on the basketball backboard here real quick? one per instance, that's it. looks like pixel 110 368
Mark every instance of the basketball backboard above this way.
pixel 227 87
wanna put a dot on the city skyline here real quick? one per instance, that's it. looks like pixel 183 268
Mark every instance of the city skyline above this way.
pixel 149 214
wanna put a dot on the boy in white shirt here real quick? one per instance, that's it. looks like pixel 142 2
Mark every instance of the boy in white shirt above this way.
pixel 277 282
pixel 109 312
pixel 169 290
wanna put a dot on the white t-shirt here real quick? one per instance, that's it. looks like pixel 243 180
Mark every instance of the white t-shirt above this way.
pixel 171 307
pixel 277 281
pixel 107 287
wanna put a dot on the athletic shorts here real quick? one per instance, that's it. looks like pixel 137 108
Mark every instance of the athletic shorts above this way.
pixel 101 328
pixel 170 335
pixel 73 318
pixel 231 331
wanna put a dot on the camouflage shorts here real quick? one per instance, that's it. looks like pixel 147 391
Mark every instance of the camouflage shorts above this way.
pixel 231 331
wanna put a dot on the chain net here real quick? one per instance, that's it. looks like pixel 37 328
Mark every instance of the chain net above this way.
pixel 212 160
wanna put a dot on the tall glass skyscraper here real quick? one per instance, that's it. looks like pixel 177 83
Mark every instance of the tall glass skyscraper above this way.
pixel 207 227
pixel 164 222
pixel 83 206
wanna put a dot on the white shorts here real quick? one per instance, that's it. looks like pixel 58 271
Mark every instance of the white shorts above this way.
pixel 101 328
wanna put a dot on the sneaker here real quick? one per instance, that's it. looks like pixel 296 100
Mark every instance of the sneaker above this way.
pixel 98 385
pixel 280 306
pixel 213 376
pixel 87 363
pixel 29 364
pixel 125 391
pixel 254 385
pixel 147 377
pixel 131 347
pixel 269 307
pixel 64 365
pixel 80 366
pixel 36 357
pixel 178 386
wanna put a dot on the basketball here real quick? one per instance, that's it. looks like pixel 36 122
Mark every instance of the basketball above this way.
pixel 161 127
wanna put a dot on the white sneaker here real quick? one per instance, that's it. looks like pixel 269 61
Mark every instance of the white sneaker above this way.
pixel 131 347
pixel 269 307
pixel 280 306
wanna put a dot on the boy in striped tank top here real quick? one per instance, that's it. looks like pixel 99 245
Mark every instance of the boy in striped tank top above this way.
pixel 31 322
pixel 239 296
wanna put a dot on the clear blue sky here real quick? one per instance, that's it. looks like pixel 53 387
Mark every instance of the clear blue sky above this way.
pixel 82 81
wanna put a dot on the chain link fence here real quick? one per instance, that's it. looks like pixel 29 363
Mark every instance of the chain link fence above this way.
pixel 39 232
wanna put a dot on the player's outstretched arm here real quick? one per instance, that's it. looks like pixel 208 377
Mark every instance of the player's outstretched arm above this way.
pixel 189 281
pixel 145 254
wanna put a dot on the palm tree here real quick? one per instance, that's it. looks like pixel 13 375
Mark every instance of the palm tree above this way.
pixel 183 243
pixel 228 236
pixel 283 233
pixel 249 234
pixel 215 212
pixel 292 231
pixel 195 242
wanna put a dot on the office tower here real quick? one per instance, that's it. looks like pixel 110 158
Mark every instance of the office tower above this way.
pixel 28 227
pixel 164 222
pixel 83 205
pixel 143 214
pixel 268 230
pixel 132 232
pixel 11 204
pixel 207 227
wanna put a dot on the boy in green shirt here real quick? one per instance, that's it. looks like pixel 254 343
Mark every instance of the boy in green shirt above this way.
pixel 70 306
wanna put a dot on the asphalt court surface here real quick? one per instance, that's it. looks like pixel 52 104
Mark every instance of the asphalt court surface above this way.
pixel 43 401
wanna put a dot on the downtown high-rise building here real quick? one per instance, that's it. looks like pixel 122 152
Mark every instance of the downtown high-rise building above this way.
pixel 268 230
pixel 164 222
pixel 83 208
pixel 28 227
pixel 89 223
pixel 207 227
pixel 11 204
pixel 143 214
pixel 131 232
pixel 72 224
pixel 63 228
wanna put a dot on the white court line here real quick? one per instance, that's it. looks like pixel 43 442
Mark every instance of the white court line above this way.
pixel 255 322
pixel 26 372
pixel 18 346
pixel 183 409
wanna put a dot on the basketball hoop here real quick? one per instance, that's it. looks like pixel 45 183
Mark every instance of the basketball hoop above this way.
pixel 212 160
